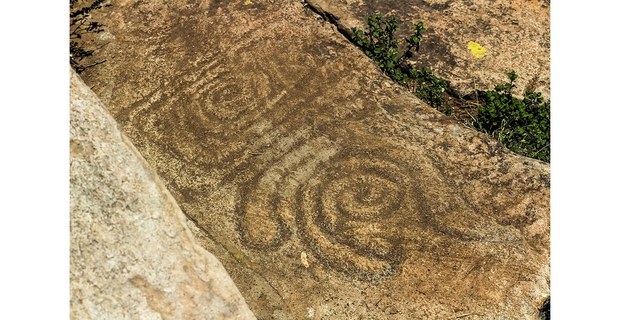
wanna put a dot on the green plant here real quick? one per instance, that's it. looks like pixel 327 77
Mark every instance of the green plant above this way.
pixel 80 24
pixel 430 88
pixel 380 44
pixel 523 125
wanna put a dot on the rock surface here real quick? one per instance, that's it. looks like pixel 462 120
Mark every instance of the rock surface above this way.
pixel 326 190
pixel 132 255
pixel 514 33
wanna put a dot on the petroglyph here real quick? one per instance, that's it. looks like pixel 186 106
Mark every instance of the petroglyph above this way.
pixel 274 148
pixel 340 208
pixel 345 206
pixel 265 203
pixel 343 213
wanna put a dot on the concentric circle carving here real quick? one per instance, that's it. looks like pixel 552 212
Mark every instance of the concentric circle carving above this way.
pixel 343 213
pixel 339 205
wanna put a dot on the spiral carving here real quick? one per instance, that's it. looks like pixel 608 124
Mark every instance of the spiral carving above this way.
pixel 343 212
pixel 339 206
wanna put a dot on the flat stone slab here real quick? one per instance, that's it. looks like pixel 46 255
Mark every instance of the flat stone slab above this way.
pixel 515 35
pixel 326 190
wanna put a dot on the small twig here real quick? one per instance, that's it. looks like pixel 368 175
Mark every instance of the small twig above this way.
pixel 476 92
pixel 472 117
pixel 466 315
pixel 101 46
pixel 541 149
pixel 94 64
pixel 79 27
pixel 377 303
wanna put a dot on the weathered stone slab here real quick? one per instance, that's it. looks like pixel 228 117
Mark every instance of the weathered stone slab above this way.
pixel 325 189
pixel 132 255
pixel 514 33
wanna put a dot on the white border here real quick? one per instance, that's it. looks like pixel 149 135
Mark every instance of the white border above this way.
pixel 34 186
pixel 585 160
pixel 34 161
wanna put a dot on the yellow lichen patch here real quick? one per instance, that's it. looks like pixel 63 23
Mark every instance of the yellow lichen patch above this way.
pixel 247 2
pixel 476 49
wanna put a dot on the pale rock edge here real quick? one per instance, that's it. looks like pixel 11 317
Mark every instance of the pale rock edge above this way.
pixel 132 254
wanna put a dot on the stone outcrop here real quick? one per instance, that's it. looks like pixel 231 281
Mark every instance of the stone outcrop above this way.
pixel 515 35
pixel 132 255
pixel 327 191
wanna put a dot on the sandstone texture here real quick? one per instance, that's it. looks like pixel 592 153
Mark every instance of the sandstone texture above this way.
pixel 514 33
pixel 132 255
pixel 326 190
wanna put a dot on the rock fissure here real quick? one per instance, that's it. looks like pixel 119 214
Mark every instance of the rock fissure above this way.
pixel 331 18
pixel 232 254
